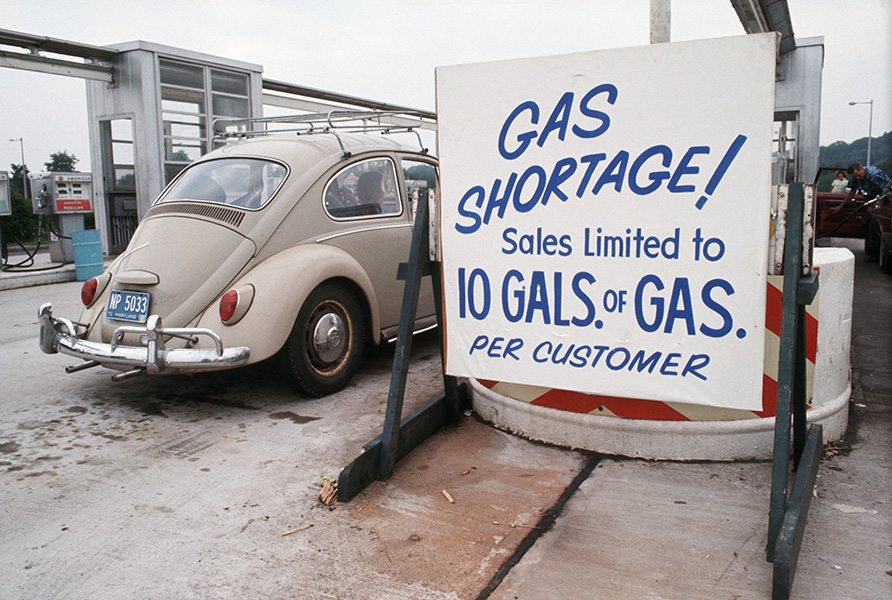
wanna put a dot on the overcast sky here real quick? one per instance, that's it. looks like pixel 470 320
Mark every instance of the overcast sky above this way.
pixel 388 50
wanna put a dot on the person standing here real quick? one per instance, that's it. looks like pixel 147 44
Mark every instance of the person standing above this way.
pixel 839 185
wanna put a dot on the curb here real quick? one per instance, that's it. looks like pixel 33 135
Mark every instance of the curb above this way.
pixel 745 439
pixel 10 280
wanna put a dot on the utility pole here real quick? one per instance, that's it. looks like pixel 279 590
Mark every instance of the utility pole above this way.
pixel 24 179
pixel 660 21
pixel 869 127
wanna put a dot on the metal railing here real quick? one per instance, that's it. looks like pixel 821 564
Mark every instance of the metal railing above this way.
pixel 333 123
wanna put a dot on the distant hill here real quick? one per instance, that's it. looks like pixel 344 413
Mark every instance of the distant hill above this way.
pixel 841 154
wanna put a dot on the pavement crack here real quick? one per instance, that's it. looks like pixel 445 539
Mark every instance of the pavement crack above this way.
pixel 545 524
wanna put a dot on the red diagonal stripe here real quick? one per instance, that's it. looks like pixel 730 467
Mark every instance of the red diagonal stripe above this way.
pixel 629 408
pixel 769 397
pixel 643 409
pixel 773 309
pixel 811 337
pixel 576 402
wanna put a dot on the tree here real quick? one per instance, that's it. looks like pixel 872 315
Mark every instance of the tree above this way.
pixel 840 154
pixel 15 179
pixel 21 226
pixel 61 162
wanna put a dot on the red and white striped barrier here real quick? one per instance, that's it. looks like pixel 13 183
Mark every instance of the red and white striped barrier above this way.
pixel 678 431
pixel 634 408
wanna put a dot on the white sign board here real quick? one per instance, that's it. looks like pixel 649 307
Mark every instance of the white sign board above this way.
pixel 604 219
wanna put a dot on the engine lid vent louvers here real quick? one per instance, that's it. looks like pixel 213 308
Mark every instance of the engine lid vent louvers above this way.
pixel 218 213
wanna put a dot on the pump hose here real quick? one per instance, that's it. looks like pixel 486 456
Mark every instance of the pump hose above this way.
pixel 25 264
pixel 58 234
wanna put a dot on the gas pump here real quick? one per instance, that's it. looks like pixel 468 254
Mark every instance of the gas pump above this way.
pixel 5 208
pixel 65 197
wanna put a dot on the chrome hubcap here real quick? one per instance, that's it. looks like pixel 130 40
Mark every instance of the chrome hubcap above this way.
pixel 328 337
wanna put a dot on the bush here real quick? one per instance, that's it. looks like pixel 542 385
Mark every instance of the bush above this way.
pixel 22 225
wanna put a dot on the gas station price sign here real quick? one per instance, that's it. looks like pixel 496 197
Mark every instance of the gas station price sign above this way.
pixel 604 219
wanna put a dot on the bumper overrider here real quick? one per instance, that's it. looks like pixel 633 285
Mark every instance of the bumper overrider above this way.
pixel 58 334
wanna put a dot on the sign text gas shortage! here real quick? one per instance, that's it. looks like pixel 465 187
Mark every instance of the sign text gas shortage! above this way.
pixel 608 265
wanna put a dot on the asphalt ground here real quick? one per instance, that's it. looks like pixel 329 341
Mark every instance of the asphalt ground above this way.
pixel 206 487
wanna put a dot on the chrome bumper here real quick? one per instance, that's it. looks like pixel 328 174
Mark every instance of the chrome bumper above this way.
pixel 58 334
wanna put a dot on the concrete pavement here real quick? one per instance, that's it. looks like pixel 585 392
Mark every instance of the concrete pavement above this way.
pixel 526 521
pixel 699 530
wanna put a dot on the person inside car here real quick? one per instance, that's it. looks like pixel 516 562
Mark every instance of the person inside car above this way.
pixel 370 192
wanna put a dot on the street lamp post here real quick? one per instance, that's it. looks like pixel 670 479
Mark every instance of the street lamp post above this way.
pixel 24 182
pixel 869 127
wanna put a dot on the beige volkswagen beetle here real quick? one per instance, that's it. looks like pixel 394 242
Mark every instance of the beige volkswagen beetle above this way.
pixel 282 246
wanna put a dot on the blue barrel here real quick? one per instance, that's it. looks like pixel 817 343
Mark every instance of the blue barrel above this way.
pixel 87 248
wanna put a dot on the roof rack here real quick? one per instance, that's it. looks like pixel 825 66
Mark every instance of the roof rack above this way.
pixel 332 123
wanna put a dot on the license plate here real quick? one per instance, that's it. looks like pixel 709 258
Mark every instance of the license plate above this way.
pixel 128 306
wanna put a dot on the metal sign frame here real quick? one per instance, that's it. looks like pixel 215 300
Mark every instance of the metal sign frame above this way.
pixel 400 436
pixel 788 514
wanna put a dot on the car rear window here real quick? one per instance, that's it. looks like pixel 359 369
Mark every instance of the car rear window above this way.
pixel 244 182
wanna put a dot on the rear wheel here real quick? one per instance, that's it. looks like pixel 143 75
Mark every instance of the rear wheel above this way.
pixel 325 346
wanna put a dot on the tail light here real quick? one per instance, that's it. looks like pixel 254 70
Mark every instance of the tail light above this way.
pixel 93 288
pixel 88 291
pixel 235 303
pixel 228 304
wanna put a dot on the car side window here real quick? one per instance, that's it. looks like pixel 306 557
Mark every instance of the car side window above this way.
pixel 418 176
pixel 364 189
